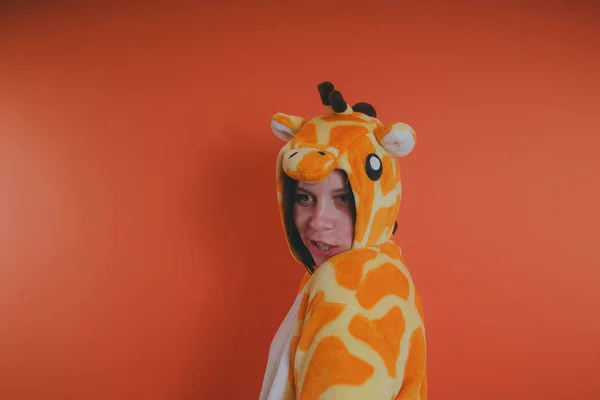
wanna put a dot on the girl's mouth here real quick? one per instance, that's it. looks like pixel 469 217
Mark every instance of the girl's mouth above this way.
pixel 322 246
pixel 322 249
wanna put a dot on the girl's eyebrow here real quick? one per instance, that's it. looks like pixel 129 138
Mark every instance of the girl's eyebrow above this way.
pixel 342 191
pixel 299 189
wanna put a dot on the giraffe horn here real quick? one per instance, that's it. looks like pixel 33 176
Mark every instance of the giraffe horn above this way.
pixel 365 108
pixel 338 104
pixel 325 89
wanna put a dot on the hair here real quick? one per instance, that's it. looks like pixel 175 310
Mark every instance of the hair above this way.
pixel 289 199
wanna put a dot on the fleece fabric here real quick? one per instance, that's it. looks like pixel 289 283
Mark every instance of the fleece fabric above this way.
pixel 356 330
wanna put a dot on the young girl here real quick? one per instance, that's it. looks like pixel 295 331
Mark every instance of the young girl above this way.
pixel 355 330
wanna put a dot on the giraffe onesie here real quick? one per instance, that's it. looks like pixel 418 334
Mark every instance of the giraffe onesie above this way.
pixel 357 330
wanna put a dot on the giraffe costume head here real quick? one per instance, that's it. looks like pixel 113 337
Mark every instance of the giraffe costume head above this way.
pixel 356 329
pixel 352 139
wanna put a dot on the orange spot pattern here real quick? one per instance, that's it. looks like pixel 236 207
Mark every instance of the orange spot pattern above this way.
pixel 346 133
pixel 382 222
pixel 284 120
pixel 304 281
pixel 302 308
pixel 380 282
pixel 424 386
pixel 419 306
pixel 332 364
pixel 299 145
pixel 308 133
pixel 320 313
pixel 382 336
pixel 296 339
pixel 392 326
pixel 294 348
pixel 414 370
pixel 381 131
pixel 392 250
pixel 363 185
pixel 348 267
pixel 388 179
pixel 314 162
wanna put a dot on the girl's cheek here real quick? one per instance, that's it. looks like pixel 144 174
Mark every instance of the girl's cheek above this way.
pixel 300 215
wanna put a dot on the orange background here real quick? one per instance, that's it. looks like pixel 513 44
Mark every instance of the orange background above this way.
pixel 141 252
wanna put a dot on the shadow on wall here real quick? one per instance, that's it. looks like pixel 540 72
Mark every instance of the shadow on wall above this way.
pixel 239 220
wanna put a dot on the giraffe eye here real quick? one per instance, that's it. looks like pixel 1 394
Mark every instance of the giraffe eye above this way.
pixel 373 167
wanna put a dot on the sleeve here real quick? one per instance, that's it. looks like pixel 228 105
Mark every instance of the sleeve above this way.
pixel 341 354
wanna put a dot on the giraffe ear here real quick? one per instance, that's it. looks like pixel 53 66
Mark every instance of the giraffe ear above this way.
pixel 397 139
pixel 286 126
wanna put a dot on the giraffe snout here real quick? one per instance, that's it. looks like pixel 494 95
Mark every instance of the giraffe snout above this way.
pixel 309 164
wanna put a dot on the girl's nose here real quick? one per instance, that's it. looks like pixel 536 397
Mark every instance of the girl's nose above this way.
pixel 323 218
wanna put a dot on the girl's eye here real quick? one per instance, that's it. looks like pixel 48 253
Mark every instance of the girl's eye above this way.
pixel 302 198
pixel 344 198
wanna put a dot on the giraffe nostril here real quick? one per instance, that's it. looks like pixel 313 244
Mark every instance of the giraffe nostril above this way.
pixel 322 153
pixel 293 154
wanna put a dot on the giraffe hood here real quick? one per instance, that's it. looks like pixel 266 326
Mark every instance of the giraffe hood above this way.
pixel 351 139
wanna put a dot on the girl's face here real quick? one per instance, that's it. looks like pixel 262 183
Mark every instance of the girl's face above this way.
pixel 323 214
